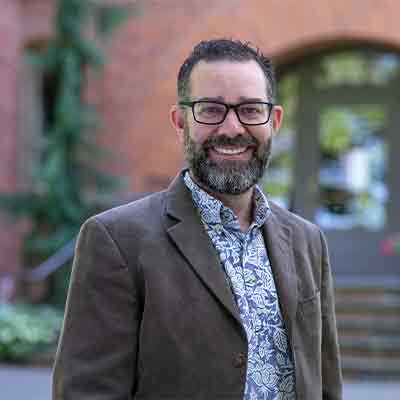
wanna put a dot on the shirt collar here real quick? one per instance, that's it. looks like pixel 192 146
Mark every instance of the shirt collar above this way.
pixel 213 211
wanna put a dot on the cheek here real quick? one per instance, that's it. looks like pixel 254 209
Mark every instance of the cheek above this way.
pixel 261 134
pixel 200 133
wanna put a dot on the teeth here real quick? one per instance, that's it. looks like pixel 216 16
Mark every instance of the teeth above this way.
pixel 223 150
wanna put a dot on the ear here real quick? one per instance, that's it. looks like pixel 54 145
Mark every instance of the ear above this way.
pixel 177 119
pixel 277 117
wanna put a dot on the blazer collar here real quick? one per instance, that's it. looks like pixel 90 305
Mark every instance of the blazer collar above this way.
pixel 187 232
pixel 278 240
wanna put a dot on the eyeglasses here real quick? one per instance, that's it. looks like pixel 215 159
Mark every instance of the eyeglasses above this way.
pixel 215 112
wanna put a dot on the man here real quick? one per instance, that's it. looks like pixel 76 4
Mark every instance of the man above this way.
pixel 205 290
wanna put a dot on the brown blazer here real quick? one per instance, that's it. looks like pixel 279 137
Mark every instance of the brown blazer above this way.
pixel 150 314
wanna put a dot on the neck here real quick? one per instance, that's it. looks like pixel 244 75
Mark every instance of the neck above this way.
pixel 240 204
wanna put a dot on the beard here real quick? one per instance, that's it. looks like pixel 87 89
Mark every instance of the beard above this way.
pixel 229 177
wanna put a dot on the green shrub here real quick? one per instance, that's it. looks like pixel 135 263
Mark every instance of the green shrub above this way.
pixel 26 330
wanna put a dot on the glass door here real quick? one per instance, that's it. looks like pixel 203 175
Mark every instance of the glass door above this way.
pixel 351 203
pixel 336 161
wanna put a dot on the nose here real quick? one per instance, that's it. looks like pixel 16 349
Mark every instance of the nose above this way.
pixel 231 125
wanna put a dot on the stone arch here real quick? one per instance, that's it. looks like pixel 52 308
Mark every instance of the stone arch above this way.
pixel 292 54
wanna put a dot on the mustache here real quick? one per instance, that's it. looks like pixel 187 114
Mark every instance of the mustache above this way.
pixel 223 140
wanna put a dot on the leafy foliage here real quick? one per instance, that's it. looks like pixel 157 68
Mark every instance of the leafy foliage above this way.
pixel 66 182
pixel 25 330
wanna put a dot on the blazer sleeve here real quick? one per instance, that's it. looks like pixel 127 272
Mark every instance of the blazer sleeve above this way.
pixel 331 369
pixel 96 356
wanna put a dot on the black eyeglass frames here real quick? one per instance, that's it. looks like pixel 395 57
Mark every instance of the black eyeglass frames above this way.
pixel 214 112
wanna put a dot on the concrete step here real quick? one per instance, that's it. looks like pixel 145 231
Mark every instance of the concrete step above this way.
pixel 357 283
pixel 368 324
pixel 388 304
pixel 388 346
pixel 372 366
pixel 368 319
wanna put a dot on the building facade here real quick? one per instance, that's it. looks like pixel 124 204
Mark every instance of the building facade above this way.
pixel 314 45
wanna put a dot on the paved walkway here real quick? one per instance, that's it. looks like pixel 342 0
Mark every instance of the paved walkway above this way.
pixel 24 383
pixel 34 384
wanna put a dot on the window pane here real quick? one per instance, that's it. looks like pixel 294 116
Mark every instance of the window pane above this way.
pixel 353 168
pixel 362 67
pixel 278 181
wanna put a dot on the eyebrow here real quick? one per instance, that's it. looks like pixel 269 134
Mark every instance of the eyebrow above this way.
pixel 251 99
pixel 219 98
pixel 241 99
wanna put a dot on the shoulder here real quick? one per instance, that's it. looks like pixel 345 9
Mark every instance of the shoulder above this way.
pixel 291 219
pixel 137 209
pixel 302 230
pixel 134 218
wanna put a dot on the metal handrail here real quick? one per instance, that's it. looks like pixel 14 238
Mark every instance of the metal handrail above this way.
pixel 65 253
pixel 53 263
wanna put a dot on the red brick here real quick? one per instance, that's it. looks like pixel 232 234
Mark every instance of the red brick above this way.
pixel 138 86
pixel 9 41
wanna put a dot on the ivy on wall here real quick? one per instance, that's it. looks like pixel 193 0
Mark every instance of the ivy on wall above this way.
pixel 67 183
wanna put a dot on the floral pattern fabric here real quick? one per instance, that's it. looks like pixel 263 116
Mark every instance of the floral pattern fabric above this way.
pixel 243 255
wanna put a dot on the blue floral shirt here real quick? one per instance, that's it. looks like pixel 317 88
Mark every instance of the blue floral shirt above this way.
pixel 270 368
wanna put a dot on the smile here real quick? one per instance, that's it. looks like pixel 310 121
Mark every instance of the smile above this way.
pixel 230 151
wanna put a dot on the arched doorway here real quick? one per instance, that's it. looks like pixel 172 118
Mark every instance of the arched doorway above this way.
pixel 336 161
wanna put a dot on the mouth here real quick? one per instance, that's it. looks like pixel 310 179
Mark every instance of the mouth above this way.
pixel 230 151
pixel 222 149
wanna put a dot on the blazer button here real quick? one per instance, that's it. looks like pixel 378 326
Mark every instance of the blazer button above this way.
pixel 239 360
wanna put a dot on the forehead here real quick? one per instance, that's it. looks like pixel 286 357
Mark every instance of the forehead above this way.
pixel 230 80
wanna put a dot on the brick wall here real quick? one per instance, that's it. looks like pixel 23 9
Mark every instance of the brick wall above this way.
pixel 9 62
pixel 20 22
pixel 37 19
pixel 137 88
pixel 139 85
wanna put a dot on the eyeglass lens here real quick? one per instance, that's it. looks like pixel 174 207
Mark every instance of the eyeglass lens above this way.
pixel 215 113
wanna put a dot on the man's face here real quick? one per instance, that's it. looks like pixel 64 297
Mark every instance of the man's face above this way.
pixel 230 157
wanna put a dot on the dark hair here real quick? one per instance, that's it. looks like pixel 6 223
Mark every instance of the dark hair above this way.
pixel 224 49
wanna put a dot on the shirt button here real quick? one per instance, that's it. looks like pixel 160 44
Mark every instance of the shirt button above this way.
pixel 239 360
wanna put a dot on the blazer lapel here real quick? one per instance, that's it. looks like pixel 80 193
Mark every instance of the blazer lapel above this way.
pixel 189 235
pixel 280 252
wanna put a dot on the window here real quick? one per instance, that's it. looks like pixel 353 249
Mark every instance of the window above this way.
pixel 330 162
pixel 37 96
